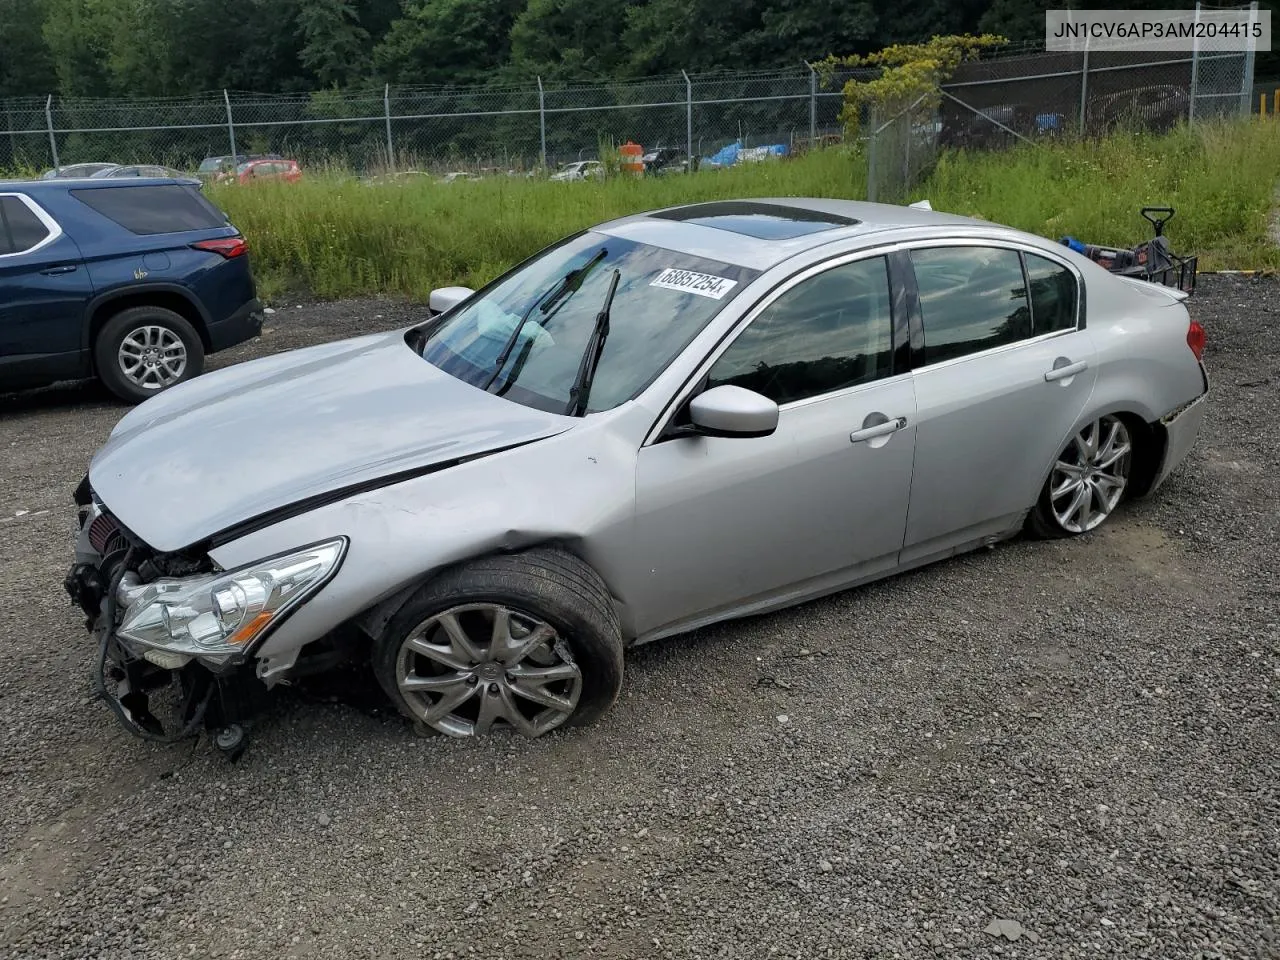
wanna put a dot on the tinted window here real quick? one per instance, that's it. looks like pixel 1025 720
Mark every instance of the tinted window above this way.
pixel 146 210
pixel 20 229
pixel 971 298
pixel 829 332
pixel 1053 295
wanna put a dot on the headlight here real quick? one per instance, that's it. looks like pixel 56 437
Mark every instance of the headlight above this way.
pixel 221 614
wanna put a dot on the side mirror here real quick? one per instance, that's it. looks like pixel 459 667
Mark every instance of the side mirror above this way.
pixel 446 298
pixel 729 411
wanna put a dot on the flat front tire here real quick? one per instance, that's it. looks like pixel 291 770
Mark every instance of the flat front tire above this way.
pixel 144 350
pixel 527 641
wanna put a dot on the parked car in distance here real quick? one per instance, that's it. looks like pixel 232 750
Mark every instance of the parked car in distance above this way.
pixel 665 160
pixel 665 421
pixel 77 170
pixel 218 169
pixel 140 170
pixel 457 175
pixel 133 281
pixel 253 171
pixel 579 170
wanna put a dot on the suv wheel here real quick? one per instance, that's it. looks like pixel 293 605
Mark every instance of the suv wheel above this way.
pixel 143 350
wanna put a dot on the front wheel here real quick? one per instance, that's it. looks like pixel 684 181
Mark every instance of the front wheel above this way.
pixel 525 641
pixel 1087 481
pixel 143 350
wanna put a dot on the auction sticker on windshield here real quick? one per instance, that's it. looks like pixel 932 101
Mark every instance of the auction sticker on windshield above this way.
pixel 703 284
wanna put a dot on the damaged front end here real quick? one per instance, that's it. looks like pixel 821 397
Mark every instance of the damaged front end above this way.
pixel 176 633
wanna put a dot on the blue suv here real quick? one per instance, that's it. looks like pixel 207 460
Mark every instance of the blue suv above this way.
pixel 132 281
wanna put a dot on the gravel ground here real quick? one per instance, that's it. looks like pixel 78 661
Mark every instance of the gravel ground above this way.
pixel 1077 737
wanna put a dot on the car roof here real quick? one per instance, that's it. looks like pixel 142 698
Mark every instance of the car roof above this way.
pixel 761 232
pixel 89 183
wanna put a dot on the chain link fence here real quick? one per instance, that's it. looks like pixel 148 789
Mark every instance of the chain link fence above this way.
pixel 1029 96
pixel 430 129
pixel 715 119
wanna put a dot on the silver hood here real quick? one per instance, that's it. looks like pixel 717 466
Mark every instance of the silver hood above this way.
pixel 241 442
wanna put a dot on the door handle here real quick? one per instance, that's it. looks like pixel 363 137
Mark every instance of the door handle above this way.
pixel 65 268
pixel 1070 370
pixel 879 430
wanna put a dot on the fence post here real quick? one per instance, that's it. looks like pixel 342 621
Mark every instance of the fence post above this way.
pixel 13 137
pixel 386 110
pixel 1195 72
pixel 53 141
pixel 1246 82
pixel 871 157
pixel 542 120
pixel 1084 86
pixel 813 104
pixel 231 127
pixel 688 122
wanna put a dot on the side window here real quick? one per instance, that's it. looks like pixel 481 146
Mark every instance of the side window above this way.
pixel 20 228
pixel 971 298
pixel 1053 295
pixel 164 208
pixel 829 332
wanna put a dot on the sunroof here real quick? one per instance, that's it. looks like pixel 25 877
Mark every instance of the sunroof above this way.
pixel 763 221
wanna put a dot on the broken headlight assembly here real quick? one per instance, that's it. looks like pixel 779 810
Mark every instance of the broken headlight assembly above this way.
pixel 218 616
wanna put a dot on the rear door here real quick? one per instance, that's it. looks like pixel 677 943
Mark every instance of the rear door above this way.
pixel 1006 369
pixel 44 288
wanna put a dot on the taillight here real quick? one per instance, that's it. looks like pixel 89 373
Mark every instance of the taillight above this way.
pixel 226 246
pixel 1196 339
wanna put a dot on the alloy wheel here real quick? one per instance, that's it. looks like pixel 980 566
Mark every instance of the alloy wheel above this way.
pixel 470 668
pixel 1091 475
pixel 152 357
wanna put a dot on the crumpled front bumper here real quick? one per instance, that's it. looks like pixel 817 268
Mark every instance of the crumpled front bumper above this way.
pixel 126 676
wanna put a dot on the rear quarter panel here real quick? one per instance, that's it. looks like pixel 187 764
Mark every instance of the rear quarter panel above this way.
pixel 118 259
pixel 1144 364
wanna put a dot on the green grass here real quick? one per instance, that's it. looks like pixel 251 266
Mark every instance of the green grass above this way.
pixel 335 237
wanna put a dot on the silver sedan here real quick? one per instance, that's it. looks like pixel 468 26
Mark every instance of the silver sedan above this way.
pixel 665 421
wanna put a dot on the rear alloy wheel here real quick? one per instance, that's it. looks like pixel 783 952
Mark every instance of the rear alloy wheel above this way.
pixel 529 642
pixel 143 350
pixel 1087 482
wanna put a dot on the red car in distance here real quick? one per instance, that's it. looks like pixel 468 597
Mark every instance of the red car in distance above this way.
pixel 254 170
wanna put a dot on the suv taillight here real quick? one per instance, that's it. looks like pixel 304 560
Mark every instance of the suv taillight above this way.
pixel 1196 339
pixel 226 246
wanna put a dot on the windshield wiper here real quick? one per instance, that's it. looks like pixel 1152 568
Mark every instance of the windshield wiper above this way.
pixel 581 388
pixel 569 283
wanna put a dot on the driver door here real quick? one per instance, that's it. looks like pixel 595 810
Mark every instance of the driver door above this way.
pixel 748 523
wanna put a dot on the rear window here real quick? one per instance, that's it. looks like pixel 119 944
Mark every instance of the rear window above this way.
pixel 168 208
pixel 20 229
pixel 210 165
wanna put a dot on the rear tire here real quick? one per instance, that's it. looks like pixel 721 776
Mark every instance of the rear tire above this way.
pixel 529 640
pixel 143 350
pixel 1089 479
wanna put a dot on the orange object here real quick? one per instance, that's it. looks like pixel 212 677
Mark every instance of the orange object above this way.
pixel 631 158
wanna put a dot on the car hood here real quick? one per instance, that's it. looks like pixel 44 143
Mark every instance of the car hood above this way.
pixel 236 444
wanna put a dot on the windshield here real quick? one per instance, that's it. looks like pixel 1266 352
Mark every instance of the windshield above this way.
pixel 211 164
pixel 663 301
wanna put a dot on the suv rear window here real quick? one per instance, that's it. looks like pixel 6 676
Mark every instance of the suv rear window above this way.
pixel 168 208
pixel 20 229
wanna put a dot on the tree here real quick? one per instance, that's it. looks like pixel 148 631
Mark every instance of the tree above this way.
pixel 439 42
pixel 570 39
pixel 335 47
pixel 25 65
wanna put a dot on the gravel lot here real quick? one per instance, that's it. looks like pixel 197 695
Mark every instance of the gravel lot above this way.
pixel 1080 737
